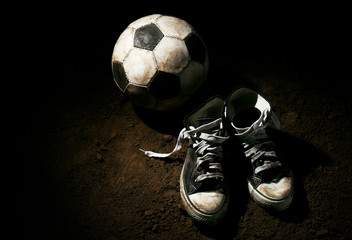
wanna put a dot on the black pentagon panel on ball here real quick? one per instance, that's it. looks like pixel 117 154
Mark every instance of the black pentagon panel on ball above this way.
pixel 165 85
pixel 196 48
pixel 119 75
pixel 147 37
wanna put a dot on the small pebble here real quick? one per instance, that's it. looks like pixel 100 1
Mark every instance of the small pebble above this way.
pixel 148 212
pixel 100 157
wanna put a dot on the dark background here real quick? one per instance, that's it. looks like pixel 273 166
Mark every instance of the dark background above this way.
pixel 65 53
pixel 64 38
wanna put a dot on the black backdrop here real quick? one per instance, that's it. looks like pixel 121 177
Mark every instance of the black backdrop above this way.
pixel 63 38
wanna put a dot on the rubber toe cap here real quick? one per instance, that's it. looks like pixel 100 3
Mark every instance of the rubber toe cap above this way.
pixel 208 202
pixel 276 190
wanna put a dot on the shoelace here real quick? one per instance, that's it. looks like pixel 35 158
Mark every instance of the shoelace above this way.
pixel 207 146
pixel 258 144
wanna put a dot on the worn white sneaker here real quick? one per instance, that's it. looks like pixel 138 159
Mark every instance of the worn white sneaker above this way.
pixel 271 182
pixel 203 185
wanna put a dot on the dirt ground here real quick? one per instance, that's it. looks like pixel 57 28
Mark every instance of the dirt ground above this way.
pixel 77 139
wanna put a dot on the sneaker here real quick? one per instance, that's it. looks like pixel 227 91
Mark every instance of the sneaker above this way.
pixel 203 186
pixel 270 183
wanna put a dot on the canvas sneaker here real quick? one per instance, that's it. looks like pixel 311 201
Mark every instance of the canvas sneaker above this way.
pixel 203 185
pixel 270 183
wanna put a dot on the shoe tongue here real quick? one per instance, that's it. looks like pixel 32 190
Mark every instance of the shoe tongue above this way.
pixel 209 112
pixel 202 121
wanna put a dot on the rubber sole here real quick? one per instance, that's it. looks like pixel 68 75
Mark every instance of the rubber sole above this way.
pixel 199 216
pixel 268 203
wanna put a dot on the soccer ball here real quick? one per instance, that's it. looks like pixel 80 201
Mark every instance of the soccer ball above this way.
pixel 159 62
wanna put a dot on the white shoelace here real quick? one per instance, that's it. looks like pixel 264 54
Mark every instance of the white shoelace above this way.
pixel 256 137
pixel 203 146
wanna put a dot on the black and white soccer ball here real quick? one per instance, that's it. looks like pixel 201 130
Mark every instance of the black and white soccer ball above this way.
pixel 159 62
